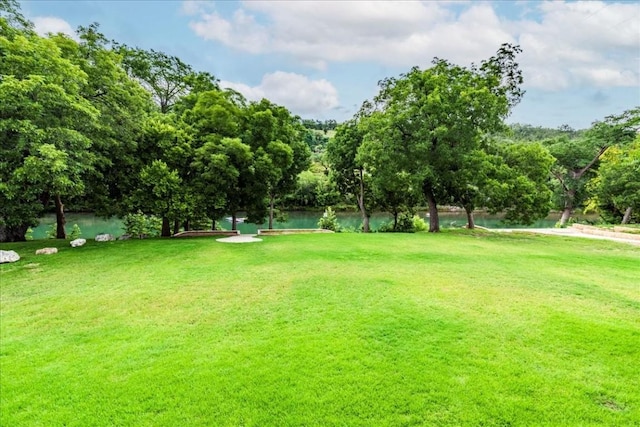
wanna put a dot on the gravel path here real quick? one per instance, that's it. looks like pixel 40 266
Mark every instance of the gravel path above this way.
pixel 569 232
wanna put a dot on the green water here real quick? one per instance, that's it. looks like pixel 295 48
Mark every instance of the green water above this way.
pixel 90 225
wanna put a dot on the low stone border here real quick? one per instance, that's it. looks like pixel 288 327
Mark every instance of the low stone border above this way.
pixel 622 229
pixel 283 231
pixel 207 233
pixel 596 231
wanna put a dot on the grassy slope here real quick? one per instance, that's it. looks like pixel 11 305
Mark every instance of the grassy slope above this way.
pixel 381 329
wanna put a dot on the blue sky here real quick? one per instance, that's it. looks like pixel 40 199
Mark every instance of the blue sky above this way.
pixel 322 59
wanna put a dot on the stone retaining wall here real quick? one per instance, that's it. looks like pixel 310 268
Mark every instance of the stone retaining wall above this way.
pixel 597 231
pixel 207 233
pixel 282 231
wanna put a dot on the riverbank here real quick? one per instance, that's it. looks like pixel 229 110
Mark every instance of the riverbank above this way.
pixel 91 225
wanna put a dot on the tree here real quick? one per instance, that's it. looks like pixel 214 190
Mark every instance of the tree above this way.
pixel 526 172
pixel 11 19
pixel 395 184
pixel 224 168
pixel 347 169
pixel 438 115
pixel 616 188
pixel 210 118
pixel 166 77
pixel 275 137
pixel 158 193
pixel 123 107
pixel 577 159
pixel 45 124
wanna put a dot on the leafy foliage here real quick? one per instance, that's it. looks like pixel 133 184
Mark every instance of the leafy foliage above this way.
pixel 329 221
pixel 141 225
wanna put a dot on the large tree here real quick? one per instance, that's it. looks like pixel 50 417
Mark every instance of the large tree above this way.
pixel 166 77
pixel 577 159
pixel 348 169
pixel 276 138
pixel 226 173
pixel 438 116
pixel 616 187
pixel 45 128
pixel 123 106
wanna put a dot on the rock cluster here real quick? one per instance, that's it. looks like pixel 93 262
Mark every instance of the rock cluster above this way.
pixel 104 237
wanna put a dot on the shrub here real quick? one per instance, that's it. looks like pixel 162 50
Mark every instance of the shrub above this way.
pixel 141 225
pixel 75 232
pixel 329 220
pixel 52 231
pixel 419 224
pixel 407 223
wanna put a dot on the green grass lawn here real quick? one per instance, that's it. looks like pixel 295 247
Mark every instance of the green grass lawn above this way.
pixel 458 328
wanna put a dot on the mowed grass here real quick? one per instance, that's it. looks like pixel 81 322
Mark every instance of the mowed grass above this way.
pixel 458 328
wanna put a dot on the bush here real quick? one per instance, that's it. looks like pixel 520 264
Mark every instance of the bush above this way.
pixel 407 223
pixel 75 232
pixel 419 224
pixel 141 225
pixel 329 220
pixel 52 231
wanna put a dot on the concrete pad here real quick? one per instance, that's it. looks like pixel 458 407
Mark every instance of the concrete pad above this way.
pixel 240 238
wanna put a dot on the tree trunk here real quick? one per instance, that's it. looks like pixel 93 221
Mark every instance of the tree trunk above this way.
pixel 395 221
pixel 365 224
pixel 363 210
pixel 213 224
pixel 186 225
pixel 234 227
pixel 470 222
pixel 13 234
pixel 566 214
pixel 627 215
pixel 271 202
pixel 166 227
pixel 176 226
pixel 60 219
pixel 568 207
pixel 434 220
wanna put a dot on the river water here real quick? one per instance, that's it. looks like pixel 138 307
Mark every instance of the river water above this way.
pixel 90 225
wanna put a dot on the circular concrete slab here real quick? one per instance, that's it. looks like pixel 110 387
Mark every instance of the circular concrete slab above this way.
pixel 240 238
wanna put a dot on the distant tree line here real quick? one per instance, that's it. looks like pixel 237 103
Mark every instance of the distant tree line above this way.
pixel 323 125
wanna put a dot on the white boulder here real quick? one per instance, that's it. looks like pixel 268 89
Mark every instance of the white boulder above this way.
pixel 104 237
pixel 78 242
pixel 47 251
pixel 8 256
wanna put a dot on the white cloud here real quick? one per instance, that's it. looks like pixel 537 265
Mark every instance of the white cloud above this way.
pixel 51 24
pixel 194 7
pixel 298 93
pixel 564 43
pixel 581 43
pixel 393 33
